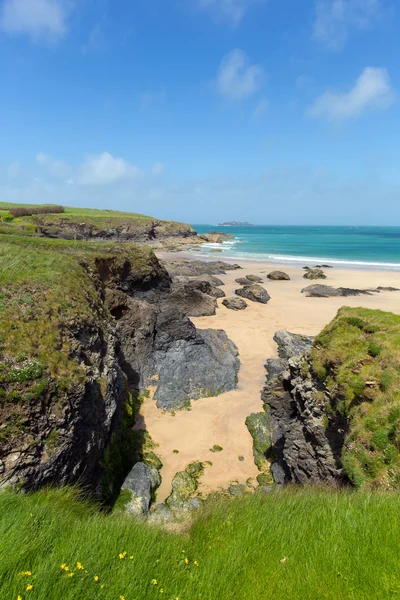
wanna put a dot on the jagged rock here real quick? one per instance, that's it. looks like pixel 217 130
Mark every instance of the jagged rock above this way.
pixel 326 291
pixel 304 449
pixel 243 281
pixel 278 276
pixel 254 278
pixel 184 488
pixel 212 280
pixel 198 267
pixel 234 303
pixel 254 292
pixel 291 344
pixel 314 274
pixel 141 483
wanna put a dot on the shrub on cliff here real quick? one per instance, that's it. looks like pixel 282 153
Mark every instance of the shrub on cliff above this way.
pixel 37 210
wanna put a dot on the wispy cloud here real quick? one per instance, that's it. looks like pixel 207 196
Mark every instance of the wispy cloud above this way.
pixel 230 11
pixel 56 168
pixel 39 19
pixel 336 18
pixel 371 91
pixel 158 169
pixel 260 108
pixel 237 78
pixel 103 168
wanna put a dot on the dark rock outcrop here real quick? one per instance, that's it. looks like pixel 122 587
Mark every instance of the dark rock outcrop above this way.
pixel 234 303
pixel 304 449
pixel 326 291
pixel 278 276
pixel 193 297
pixel 193 268
pixel 254 292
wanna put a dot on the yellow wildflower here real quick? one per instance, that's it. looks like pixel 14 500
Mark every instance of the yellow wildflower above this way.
pixel 186 561
pixel 131 558
pixel 29 587
pixel 64 567
pixel 19 598
pixel 28 573
pixel 196 563
pixel 161 591
pixel 122 555
pixel 122 598
pixel 80 566
pixel 96 578
pixel 154 581
pixel 71 574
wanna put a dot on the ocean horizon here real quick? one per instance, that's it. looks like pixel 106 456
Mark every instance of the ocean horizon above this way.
pixel 361 246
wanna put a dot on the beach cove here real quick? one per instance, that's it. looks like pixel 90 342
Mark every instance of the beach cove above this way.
pixel 221 420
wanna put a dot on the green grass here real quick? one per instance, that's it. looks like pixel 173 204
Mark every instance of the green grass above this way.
pixel 337 545
pixel 357 359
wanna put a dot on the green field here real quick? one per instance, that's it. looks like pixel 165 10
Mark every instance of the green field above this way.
pixel 290 544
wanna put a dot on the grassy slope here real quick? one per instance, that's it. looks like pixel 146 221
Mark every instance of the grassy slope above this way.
pixel 337 545
pixel 357 357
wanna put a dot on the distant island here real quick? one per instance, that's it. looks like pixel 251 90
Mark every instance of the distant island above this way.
pixel 236 224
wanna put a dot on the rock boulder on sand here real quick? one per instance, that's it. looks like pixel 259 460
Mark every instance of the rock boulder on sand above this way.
pixel 278 276
pixel 314 274
pixel 254 278
pixel 243 281
pixel 234 303
pixel 326 291
pixel 254 292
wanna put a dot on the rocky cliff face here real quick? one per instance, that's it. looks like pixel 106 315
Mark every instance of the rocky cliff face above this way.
pixel 305 446
pixel 79 345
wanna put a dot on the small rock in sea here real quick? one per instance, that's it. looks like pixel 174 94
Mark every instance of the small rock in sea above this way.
pixel 278 276
pixel 254 278
pixel 255 293
pixel 234 303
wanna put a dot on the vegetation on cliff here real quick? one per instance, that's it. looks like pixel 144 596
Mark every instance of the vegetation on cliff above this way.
pixel 291 543
pixel 356 359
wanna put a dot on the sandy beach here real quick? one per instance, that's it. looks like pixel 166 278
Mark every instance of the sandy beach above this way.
pixel 221 420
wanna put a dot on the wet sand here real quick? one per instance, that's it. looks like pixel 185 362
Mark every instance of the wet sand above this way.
pixel 221 420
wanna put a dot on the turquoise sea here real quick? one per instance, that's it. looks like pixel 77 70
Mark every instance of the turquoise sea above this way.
pixel 352 246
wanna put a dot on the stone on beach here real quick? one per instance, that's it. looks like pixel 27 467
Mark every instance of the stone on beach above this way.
pixel 254 292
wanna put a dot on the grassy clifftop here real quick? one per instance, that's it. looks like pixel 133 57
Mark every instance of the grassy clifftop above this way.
pixel 50 302
pixel 357 360
pixel 88 222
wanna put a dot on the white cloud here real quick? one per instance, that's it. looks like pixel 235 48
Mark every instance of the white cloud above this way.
pixel 104 168
pixel 260 108
pixel 14 170
pixel 158 169
pixel 231 11
pixel 372 91
pixel 40 19
pixel 336 18
pixel 237 78
pixel 57 168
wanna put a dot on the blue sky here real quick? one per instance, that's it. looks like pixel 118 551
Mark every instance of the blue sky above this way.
pixel 271 111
